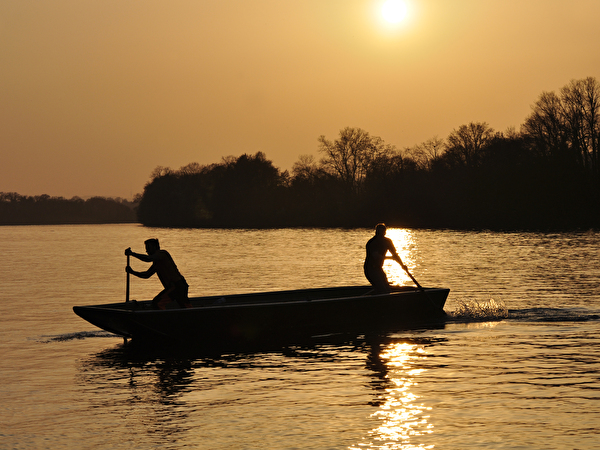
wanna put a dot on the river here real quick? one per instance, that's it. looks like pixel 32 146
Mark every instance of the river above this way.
pixel 516 366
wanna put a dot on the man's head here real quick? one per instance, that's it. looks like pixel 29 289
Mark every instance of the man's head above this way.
pixel 380 229
pixel 152 246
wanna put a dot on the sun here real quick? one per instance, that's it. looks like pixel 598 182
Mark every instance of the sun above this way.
pixel 394 11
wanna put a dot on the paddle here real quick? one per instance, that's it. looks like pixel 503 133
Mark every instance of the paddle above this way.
pixel 127 292
pixel 127 285
pixel 416 282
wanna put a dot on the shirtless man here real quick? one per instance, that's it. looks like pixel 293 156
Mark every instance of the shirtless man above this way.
pixel 377 248
pixel 175 286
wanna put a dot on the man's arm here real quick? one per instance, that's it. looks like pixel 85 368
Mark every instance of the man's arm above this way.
pixel 140 256
pixel 146 258
pixel 395 255
pixel 146 274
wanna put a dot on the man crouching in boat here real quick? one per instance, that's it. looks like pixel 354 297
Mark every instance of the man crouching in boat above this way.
pixel 175 286
pixel 377 248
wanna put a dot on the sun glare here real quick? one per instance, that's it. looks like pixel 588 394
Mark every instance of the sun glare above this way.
pixel 394 11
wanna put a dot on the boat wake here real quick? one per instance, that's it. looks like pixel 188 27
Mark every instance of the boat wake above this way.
pixel 75 336
pixel 493 310
pixel 554 315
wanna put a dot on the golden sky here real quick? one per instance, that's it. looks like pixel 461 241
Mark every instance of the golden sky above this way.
pixel 94 94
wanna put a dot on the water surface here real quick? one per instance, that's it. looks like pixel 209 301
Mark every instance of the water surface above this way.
pixel 528 381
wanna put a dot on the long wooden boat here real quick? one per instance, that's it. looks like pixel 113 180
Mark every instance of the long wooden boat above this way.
pixel 266 316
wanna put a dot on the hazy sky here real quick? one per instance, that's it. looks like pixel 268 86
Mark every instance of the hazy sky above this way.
pixel 94 94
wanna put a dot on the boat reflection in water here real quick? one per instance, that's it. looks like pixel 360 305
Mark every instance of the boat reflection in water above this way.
pixel 400 414
pixel 270 396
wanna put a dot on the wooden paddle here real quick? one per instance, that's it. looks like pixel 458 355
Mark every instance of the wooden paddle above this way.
pixel 416 282
pixel 127 284
pixel 127 292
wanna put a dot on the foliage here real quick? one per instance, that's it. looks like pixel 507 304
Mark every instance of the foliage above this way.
pixel 545 176
pixel 565 128
pixel 465 145
pixel 239 192
pixel 17 209
pixel 352 154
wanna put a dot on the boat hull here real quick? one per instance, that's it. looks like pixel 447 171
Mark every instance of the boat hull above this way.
pixel 268 316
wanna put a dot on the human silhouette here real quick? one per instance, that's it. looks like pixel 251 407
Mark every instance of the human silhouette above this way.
pixel 175 286
pixel 377 248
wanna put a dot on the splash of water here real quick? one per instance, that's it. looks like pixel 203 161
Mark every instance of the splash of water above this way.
pixel 471 309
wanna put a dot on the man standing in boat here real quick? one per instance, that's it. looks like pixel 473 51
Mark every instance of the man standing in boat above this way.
pixel 175 286
pixel 377 248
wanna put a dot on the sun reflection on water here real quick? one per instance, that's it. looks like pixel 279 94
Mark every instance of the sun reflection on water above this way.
pixel 401 417
pixel 405 244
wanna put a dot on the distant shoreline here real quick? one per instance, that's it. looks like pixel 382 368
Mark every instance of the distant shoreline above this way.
pixel 16 209
pixel 549 230
pixel 29 224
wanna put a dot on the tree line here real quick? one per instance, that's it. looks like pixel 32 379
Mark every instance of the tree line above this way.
pixel 18 209
pixel 544 176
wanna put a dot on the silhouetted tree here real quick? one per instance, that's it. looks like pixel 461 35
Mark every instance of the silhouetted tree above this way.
pixel 581 106
pixel 351 154
pixel 247 192
pixel 565 128
pixel 466 143
pixel 546 127
pixel 17 209
pixel 239 192
pixel 426 153
pixel 395 186
pixel 545 176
